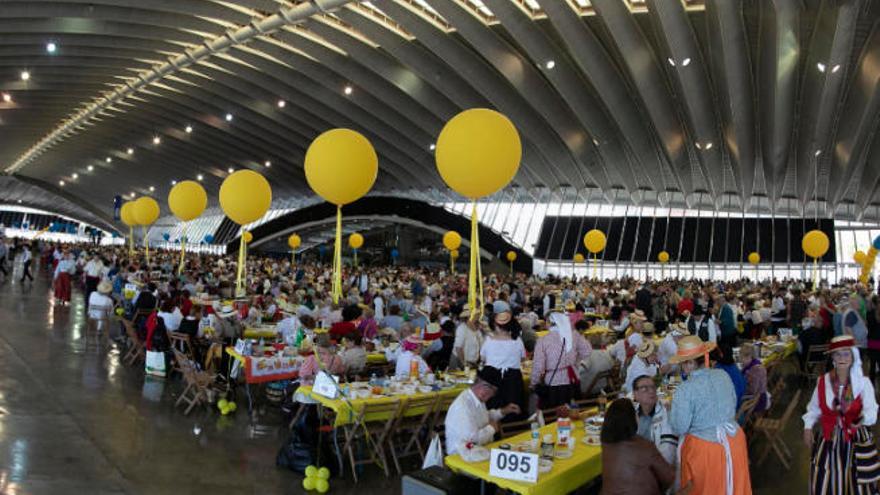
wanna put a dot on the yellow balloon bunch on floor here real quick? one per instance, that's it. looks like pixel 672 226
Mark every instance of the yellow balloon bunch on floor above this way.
pixel 226 406
pixel 317 479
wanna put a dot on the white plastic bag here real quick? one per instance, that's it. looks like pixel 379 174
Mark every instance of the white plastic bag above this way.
pixel 434 455
pixel 155 364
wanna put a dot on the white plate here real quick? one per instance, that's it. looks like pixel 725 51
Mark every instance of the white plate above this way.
pixel 592 441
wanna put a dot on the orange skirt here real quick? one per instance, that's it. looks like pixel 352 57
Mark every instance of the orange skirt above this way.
pixel 703 465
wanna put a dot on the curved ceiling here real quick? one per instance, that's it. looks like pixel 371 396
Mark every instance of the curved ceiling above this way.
pixel 744 98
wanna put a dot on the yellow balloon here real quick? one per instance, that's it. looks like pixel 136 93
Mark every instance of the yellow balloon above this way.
pixel 341 166
pixel 579 258
pixel 294 241
pixel 594 241
pixel 511 256
pixel 454 254
pixel 146 210
pixel 309 484
pixel 322 485
pixel 187 200
pixel 452 240
pixel 324 473
pixel 126 214
pixel 245 196
pixel 478 152
pixel 355 240
pixel 663 257
pixel 859 257
pixel 815 243
pixel 754 258
pixel 248 237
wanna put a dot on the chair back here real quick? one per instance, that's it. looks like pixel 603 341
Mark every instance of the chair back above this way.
pixel 744 413
pixel 131 332
pixel 792 405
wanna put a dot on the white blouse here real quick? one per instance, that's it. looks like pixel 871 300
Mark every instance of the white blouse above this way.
pixel 503 354
pixel 862 387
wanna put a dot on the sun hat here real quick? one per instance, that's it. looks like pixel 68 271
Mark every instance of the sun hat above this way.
pixel 841 342
pixel 105 287
pixel 647 327
pixel 691 347
pixel 646 349
pixel 637 315
pixel 502 318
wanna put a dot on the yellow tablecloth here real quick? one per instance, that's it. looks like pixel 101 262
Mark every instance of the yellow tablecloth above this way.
pixel 790 348
pixel 565 476
pixel 260 333
pixel 345 415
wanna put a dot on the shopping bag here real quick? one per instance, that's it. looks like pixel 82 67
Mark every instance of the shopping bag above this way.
pixel 155 363
pixel 434 455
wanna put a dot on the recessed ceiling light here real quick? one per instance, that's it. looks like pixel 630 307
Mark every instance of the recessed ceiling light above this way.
pixel 708 146
pixel 108 159
pixel 130 151
pixel 821 67
pixel 835 68
pixel 230 170
pixel 25 75
pixel 131 194
pixel 686 61
pixel 157 140
pixel 51 47
pixel 189 129
pixel 174 183
pixel 817 153
pixel 432 146
pixel 61 183
pixel 91 167
pixel 7 98
pixel 348 90
pixel 75 176
pixel 152 188
pixel 550 64
pixel 200 177
pixel 228 117
pixel 282 103
pixel 267 163
pixel 698 145
pixel 671 62
pixel 595 142
pixel 19 201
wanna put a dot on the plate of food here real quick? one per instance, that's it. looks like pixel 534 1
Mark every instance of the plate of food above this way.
pixel 592 440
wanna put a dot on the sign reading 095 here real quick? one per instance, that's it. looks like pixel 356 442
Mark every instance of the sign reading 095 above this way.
pixel 517 466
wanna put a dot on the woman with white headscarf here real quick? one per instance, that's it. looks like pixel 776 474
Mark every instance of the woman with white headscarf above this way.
pixel 554 370
pixel 845 460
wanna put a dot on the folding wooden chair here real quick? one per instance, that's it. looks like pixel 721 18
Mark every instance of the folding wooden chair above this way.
pixel 181 342
pixel 197 383
pixel 814 365
pixel 373 432
pixel 744 413
pixel 409 428
pixel 516 427
pixel 772 430
pixel 136 350
pixel 438 417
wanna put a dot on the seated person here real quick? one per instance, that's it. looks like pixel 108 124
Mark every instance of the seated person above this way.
pixel 190 323
pixel 653 418
pixel 599 361
pixel 722 358
pixel 328 361
pixel 756 377
pixel 410 353
pixel 350 318
pixel 468 421
pixel 645 362
pixel 354 357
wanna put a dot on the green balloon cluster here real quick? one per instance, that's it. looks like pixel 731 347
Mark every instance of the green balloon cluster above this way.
pixel 226 406
pixel 317 479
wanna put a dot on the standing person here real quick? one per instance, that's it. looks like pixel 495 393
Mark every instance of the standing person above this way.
pixel 714 457
pixel 777 311
pixel 4 252
pixel 727 318
pixel 845 460
pixel 26 257
pixel 504 351
pixel 556 356
pixel 873 325
pixel 702 326
pixel 467 344
pixel 94 271
pixel 797 311
pixel 61 278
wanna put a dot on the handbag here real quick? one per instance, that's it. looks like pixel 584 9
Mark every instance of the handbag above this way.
pixel 542 390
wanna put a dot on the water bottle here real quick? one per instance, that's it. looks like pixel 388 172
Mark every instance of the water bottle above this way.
pixel 536 436
pixel 373 380
pixel 603 400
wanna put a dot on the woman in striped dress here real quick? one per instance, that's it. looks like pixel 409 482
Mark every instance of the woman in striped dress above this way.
pixel 844 460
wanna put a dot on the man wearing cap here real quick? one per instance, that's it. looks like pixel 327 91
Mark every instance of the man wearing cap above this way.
pixel 701 325
pixel 468 421
pixel 713 455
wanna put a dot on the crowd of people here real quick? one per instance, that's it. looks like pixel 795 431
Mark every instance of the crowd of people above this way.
pixel 592 328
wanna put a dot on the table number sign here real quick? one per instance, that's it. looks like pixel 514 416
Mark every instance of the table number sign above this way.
pixel 517 466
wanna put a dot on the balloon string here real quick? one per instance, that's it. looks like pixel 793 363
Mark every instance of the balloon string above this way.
pixel 182 249
pixel 815 273
pixel 146 243
pixel 238 282
pixel 595 263
pixel 337 258
pixel 130 241
pixel 451 263
pixel 475 278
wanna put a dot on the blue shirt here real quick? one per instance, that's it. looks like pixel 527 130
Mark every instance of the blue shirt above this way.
pixel 707 399
pixel 736 376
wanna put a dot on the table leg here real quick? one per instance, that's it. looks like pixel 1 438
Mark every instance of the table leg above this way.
pixel 247 388
pixel 482 487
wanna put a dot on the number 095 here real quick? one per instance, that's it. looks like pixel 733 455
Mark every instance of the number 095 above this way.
pixel 513 463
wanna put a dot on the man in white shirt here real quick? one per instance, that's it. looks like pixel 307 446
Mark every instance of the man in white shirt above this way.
pixel 468 422
pixel 669 345
pixel 644 363
pixel 468 341
pixel 26 263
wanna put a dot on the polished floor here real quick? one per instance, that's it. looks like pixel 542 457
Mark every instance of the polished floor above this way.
pixel 74 420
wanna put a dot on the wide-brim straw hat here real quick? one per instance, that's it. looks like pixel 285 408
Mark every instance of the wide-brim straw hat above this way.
pixel 646 349
pixel 691 347
pixel 648 327
pixel 105 287
pixel 638 315
pixel 841 342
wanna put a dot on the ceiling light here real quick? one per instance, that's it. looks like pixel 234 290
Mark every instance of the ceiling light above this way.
pixel 595 142
pixel 348 90
pixel 7 98
pixel 174 183
pixel 157 140
pixel 200 177
pixel 267 163
pixel 51 47
pixel 230 170
pixel 671 62
pixel 91 167
pixel 708 146
pixel 152 188
pixel 75 176
pixel 228 117
pixel 282 103
pixel 821 67
pixel 131 194
pixel 25 75
pixel 189 129
pixel 432 146
pixel 698 145
pixel 550 64
pixel 835 68
pixel 686 61
pixel 130 151
pixel 19 201
pixel 108 159
pixel 817 153
pixel 61 183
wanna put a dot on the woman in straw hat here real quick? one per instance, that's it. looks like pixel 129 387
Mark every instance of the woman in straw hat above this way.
pixel 844 461
pixel 712 448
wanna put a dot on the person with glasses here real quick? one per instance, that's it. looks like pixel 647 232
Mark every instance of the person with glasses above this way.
pixel 653 419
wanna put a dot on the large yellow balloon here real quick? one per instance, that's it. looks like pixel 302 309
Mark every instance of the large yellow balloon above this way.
pixel 245 196
pixel 663 257
pixel 815 243
pixel 187 200
pixel 355 240
pixel 126 214
pixel 578 258
pixel 248 237
pixel 511 256
pixel 146 210
pixel 341 166
pixel 859 257
pixel 594 241
pixel 478 152
pixel 452 240
pixel 294 241
pixel 454 254
pixel 754 258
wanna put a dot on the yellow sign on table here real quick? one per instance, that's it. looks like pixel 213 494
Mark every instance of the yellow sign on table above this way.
pixel 567 475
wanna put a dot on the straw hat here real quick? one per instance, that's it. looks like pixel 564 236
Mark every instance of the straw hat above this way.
pixel 841 342
pixel 646 349
pixel 647 327
pixel 691 347
pixel 105 287
pixel 638 315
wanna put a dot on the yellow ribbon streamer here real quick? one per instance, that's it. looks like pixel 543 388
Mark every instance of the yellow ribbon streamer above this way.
pixel 239 284
pixel 451 263
pixel 595 264
pixel 475 278
pixel 131 241
pixel 146 243
pixel 337 258
pixel 815 272
pixel 182 250
pixel 355 258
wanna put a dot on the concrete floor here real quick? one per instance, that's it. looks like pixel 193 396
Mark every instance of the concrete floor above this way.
pixel 73 419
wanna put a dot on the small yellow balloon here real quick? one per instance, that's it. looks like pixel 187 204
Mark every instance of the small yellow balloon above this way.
pixel 594 241
pixel 322 485
pixel 815 243
pixel 146 210
pixel 511 256
pixel 232 406
pixel 245 196
pixel 311 472
pixel 222 403
pixel 309 484
pixel 478 152
pixel 324 473
pixel 247 236
pixel 859 257
pixel 579 258
pixel 126 214
pixel 341 166
pixel 452 240
pixel 454 254
pixel 663 257
pixel 187 200
pixel 754 258
pixel 355 240
pixel 294 241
